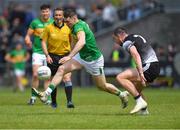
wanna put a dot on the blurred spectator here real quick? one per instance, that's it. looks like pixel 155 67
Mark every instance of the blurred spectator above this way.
pixel 109 15
pixel 96 17
pixel 133 13
pixel 81 12
pixel 148 5
pixel 71 5
pixel 171 52
pixel 17 12
pixel 3 22
pixel 17 38
pixel 4 27
pixel 17 27
pixel 118 54
pixel 117 3
pixel 3 48
pixel 161 54
pixel 29 15
pixel 4 35
pixel 130 2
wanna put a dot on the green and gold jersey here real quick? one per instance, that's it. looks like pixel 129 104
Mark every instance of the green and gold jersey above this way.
pixel 90 51
pixel 38 26
pixel 18 58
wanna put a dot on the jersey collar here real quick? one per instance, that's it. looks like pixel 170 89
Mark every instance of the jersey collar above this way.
pixel 58 26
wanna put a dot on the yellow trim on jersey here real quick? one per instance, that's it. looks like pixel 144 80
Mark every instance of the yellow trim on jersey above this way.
pixel 38 31
pixel 58 39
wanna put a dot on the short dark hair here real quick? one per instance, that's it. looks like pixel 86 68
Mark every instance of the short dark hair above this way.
pixel 69 13
pixel 57 9
pixel 45 6
pixel 119 30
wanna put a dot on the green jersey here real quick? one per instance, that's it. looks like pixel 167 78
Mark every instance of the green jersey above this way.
pixel 19 58
pixel 90 51
pixel 38 26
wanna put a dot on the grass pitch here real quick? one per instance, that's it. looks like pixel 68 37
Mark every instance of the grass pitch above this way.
pixel 93 110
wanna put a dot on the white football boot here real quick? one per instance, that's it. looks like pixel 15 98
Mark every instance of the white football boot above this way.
pixel 140 104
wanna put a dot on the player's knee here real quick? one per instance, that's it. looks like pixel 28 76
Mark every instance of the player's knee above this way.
pixel 35 76
pixel 120 78
pixel 61 69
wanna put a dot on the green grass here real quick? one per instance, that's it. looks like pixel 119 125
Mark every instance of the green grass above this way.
pixel 94 110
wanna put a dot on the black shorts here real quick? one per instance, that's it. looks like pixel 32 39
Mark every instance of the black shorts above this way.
pixel 152 71
pixel 55 65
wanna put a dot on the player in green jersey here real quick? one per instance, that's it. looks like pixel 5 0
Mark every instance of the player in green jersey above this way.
pixel 18 58
pixel 38 58
pixel 85 54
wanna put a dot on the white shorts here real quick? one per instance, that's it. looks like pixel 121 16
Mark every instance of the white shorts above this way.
pixel 38 59
pixel 95 67
pixel 18 72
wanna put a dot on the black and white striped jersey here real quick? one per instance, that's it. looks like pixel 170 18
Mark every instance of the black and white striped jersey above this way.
pixel 144 49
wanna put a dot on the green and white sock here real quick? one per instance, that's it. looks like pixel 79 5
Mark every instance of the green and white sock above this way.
pixel 49 98
pixel 50 89
pixel 33 94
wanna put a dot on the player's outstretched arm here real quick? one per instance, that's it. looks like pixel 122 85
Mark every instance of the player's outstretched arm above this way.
pixel 27 38
pixel 138 61
pixel 79 45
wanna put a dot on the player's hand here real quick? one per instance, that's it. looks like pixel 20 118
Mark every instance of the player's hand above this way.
pixel 143 79
pixel 28 42
pixel 64 59
pixel 49 59
pixel 13 61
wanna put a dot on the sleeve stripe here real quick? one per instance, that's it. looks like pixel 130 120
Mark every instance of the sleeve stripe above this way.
pixel 127 45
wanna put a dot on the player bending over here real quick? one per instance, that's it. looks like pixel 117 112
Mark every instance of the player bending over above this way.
pixel 135 79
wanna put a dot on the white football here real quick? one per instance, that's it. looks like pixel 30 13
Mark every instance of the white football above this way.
pixel 44 99
pixel 44 73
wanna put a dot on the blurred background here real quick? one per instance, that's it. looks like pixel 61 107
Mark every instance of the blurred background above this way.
pixel 156 20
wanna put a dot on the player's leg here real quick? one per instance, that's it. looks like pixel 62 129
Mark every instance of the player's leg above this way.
pixel 19 75
pixel 66 79
pixel 35 80
pixel 67 67
pixel 125 78
pixel 19 81
pixel 46 84
pixel 95 68
pixel 151 71
pixel 37 61
pixel 100 82
pixel 53 67
pixel 68 89
pixel 53 96
pixel 35 84
pixel 140 87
